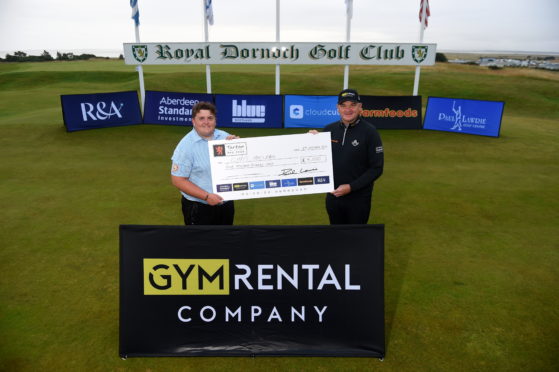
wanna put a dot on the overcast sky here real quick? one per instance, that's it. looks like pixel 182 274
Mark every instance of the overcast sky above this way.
pixel 458 25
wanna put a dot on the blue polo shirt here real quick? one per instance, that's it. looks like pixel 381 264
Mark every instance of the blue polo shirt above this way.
pixel 191 159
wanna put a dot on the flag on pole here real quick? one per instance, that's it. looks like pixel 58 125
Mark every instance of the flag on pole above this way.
pixel 349 8
pixel 209 12
pixel 135 12
pixel 424 3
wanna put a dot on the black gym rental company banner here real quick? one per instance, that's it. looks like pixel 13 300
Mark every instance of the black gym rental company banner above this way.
pixel 252 290
pixel 392 112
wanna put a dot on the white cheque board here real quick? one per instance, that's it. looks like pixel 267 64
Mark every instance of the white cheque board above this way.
pixel 263 167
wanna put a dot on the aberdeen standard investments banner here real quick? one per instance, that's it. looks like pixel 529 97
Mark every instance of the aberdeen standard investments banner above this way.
pixel 469 116
pixel 100 110
pixel 249 111
pixel 172 108
pixel 252 290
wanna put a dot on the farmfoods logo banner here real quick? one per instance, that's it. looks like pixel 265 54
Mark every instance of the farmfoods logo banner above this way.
pixel 393 112
pixel 464 116
pixel 251 290
pixel 281 53
pixel 172 108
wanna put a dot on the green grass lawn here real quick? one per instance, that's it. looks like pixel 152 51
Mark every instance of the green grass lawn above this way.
pixel 472 250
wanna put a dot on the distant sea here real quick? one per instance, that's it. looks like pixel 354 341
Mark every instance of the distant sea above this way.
pixel 502 52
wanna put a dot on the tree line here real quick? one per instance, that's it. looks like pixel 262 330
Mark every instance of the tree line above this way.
pixel 46 56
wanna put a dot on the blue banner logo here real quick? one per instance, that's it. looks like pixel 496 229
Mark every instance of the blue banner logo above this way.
pixel 321 180
pixel 224 188
pixel 290 182
pixel 482 118
pixel 249 111
pixel 273 184
pixel 257 185
pixel 172 108
pixel 100 110
pixel 310 111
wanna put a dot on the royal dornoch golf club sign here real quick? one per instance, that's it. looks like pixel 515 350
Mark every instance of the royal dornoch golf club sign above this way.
pixel 404 54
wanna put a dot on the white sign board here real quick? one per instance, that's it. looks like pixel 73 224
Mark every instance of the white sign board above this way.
pixel 404 54
pixel 263 167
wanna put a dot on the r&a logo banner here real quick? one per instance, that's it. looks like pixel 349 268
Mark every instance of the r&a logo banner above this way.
pixel 100 110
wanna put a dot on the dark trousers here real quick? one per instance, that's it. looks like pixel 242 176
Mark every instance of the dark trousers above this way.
pixel 348 209
pixel 195 213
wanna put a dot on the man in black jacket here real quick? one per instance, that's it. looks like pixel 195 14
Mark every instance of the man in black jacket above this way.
pixel 358 160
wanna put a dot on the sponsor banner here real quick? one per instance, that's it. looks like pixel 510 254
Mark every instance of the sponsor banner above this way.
pixel 403 54
pixel 469 116
pixel 252 290
pixel 249 111
pixel 310 111
pixel 100 110
pixel 172 108
pixel 392 112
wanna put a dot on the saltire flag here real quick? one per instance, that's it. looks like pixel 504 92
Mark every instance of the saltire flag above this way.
pixel 209 11
pixel 135 12
pixel 427 12
pixel 349 8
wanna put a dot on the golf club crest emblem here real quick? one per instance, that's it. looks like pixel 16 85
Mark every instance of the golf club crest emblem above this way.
pixel 140 52
pixel 419 53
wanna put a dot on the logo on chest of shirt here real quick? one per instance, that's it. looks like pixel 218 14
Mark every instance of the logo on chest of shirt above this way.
pixel 355 143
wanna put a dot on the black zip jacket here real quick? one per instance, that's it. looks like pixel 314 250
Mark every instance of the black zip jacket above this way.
pixel 357 155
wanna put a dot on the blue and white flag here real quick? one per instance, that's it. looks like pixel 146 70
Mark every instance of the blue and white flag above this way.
pixel 135 12
pixel 209 11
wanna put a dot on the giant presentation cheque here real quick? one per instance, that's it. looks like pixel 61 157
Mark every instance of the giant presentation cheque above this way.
pixel 262 167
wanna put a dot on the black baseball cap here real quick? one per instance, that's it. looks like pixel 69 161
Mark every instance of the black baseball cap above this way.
pixel 348 95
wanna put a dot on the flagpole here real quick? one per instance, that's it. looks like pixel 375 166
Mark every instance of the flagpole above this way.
pixel 349 13
pixel 206 38
pixel 421 30
pixel 139 68
pixel 277 40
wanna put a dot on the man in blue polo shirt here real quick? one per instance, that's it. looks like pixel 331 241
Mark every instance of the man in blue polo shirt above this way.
pixel 191 172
